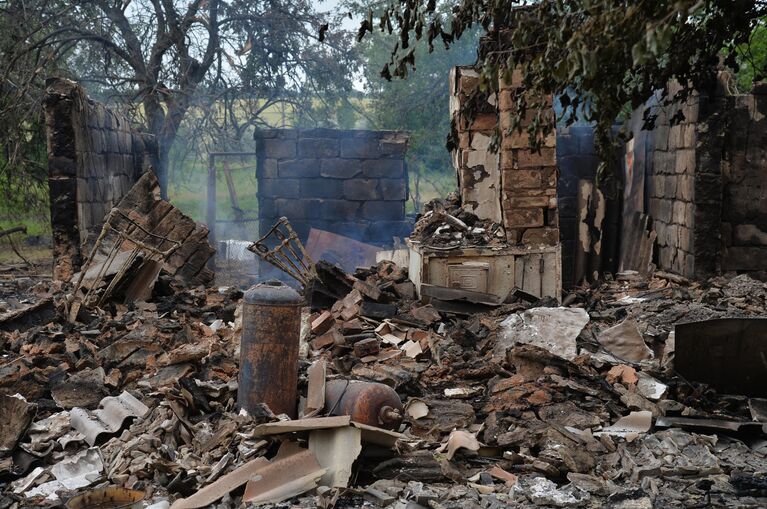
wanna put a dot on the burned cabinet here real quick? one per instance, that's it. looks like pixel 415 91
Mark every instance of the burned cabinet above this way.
pixel 537 271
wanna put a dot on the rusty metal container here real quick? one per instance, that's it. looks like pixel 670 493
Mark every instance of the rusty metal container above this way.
pixel 369 403
pixel 271 328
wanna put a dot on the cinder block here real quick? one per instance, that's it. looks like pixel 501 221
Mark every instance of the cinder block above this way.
pixel 340 168
pixel 321 188
pixel 393 189
pixel 298 209
pixel 383 168
pixel 361 189
pixel 360 148
pixel 685 160
pixel 318 147
pixel 280 148
pixel 339 209
pixel 270 169
pixel 678 213
pixel 299 168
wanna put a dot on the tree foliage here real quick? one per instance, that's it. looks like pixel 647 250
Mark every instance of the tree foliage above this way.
pixel 419 105
pixel 604 53
pixel 209 68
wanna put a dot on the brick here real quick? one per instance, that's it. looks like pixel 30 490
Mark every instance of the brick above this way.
pixel 528 201
pixel 361 189
pixel 541 236
pixel 321 188
pixel 318 147
pixel 387 168
pixel 463 140
pixel 340 168
pixel 339 209
pixel 366 347
pixel 526 158
pixel 393 189
pixel 525 179
pixel 522 218
pixel 383 210
pixel 279 188
pixel 323 323
pixel 279 148
pixel 484 122
pixel 506 100
pixel 507 160
pixel 299 168
pixel 512 79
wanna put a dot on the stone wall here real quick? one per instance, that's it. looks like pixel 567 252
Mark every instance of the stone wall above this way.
pixel 353 183
pixel 513 185
pixel 94 158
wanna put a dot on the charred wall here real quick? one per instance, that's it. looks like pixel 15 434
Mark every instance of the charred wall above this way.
pixel 94 158
pixel 705 183
pixel 350 182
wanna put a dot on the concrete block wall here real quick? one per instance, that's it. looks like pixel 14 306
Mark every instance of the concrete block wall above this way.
pixel 94 158
pixel 743 177
pixel 706 186
pixel 513 184
pixel 353 183
pixel 671 187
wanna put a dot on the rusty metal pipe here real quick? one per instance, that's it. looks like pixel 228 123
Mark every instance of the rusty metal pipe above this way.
pixel 271 328
pixel 370 403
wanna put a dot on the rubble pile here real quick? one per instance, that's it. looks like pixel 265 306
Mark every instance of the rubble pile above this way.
pixel 526 404
pixel 445 224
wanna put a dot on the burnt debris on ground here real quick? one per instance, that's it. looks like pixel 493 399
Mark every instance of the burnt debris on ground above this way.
pixel 528 402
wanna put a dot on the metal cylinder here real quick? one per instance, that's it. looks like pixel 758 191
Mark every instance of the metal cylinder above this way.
pixel 271 328
pixel 369 403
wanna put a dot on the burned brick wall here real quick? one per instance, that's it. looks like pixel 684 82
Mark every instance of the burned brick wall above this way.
pixel 350 182
pixel 513 185
pixel 94 158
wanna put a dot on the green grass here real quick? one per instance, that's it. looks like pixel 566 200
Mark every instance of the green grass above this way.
pixel 189 192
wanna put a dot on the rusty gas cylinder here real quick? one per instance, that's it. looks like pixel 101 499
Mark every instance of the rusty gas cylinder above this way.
pixel 271 328
pixel 366 402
